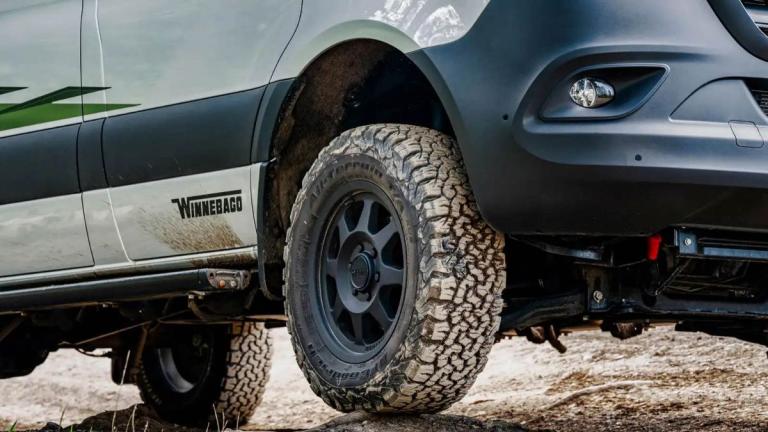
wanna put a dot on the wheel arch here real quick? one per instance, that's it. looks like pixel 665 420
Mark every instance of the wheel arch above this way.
pixel 342 87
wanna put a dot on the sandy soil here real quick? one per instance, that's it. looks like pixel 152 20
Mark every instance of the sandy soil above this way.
pixel 660 381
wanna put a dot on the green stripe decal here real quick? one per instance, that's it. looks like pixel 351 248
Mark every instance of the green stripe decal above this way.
pixel 43 109
pixel 4 90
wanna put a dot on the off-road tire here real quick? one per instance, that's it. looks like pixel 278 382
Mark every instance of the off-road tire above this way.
pixel 459 270
pixel 233 385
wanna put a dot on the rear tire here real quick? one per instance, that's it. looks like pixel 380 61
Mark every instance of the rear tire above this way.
pixel 434 338
pixel 215 367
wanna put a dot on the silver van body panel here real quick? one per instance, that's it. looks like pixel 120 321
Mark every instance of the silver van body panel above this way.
pixel 40 52
pixel 150 54
pixel 158 53
pixel 92 54
pixel 407 25
pixel 106 244
pixel 41 235
pixel 110 255
pixel 151 226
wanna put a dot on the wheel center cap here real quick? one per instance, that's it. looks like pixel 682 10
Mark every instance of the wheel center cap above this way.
pixel 361 271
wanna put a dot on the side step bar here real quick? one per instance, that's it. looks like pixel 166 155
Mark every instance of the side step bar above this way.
pixel 152 286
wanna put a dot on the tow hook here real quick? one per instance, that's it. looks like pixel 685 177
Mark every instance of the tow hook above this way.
pixel 624 330
pixel 547 333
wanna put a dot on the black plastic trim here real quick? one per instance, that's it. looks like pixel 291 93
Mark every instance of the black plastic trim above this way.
pixel 628 176
pixel 269 113
pixel 188 138
pixel 39 164
pixel 634 84
pixel 739 23
pixel 260 219
pixel 90 160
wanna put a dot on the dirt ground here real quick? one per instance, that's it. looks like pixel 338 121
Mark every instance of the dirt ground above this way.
pixel 660 381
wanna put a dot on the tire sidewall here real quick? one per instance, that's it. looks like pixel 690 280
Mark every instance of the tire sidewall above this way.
pixel 337 170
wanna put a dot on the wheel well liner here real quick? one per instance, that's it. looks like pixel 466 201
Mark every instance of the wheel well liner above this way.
pixel 355 83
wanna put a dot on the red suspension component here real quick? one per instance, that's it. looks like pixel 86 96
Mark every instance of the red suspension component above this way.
pixel 654 244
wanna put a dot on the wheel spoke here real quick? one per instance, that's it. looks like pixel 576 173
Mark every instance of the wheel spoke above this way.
pixel 381 238
pixel 390 275
pixel 344 232
pixel 331 265
pixel 379 313
pixel 365 216
pixel 338 307
pixel 357 326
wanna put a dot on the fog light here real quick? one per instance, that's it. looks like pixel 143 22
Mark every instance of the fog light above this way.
pixel 591 93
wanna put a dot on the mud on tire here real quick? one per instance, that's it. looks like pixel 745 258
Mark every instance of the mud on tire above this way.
pixel 454 272
pixel 225 368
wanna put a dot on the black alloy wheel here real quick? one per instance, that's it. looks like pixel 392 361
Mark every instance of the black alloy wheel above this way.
pixel 203 372
pixel 185 365
pixel 360 272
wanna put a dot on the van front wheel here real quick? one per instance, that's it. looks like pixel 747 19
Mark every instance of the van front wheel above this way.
pixel 393 279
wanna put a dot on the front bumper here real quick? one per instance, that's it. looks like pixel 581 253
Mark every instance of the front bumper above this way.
pixel 671 160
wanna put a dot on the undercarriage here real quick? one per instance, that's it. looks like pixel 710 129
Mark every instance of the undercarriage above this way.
pixel 124 317
pixel 695 279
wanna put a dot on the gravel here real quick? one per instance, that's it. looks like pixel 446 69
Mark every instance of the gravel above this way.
pixel 659 381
